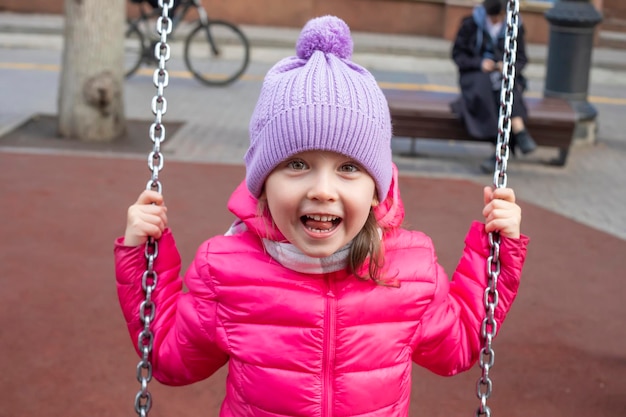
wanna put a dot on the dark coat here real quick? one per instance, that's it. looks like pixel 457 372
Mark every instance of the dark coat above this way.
pixel 478 103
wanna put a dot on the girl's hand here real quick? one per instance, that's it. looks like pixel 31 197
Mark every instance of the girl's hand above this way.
pixel 501 212
pixel 147 217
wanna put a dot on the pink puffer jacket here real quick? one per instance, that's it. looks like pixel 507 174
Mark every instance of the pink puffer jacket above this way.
pixel 320 344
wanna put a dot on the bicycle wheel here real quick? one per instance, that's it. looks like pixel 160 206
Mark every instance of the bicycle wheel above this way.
pixel 217 54
pixel 133 49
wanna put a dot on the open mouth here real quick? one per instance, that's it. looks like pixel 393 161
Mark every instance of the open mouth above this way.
pixel 320 223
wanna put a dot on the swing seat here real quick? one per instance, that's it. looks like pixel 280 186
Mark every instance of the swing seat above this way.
pixel 427 115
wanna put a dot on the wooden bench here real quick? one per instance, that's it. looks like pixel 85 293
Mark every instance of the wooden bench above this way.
pixel 427 115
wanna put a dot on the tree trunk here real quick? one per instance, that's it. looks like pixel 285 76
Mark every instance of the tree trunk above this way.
pixel 90 97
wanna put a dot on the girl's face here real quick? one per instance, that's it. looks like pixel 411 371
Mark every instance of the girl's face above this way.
pixel 319 200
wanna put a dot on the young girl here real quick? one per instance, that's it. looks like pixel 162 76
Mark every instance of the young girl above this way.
pixel 316 297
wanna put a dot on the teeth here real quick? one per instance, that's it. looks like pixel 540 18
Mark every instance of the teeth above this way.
pixel 319 218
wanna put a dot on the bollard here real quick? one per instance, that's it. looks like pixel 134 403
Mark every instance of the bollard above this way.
pixel 572 24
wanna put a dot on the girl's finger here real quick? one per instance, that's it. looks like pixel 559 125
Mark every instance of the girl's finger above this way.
pixel 487 194
pixel 150 197
pixel 506 194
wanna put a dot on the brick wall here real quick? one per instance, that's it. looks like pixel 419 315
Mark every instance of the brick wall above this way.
pixel 437 18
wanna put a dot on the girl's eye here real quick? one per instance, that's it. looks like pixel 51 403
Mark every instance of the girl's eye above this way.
pixel 297 164
pixel 349 168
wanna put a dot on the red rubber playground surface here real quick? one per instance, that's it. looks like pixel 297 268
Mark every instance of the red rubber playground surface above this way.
pixel 64 350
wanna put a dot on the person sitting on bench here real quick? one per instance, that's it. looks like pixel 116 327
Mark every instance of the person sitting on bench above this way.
pixel 477 52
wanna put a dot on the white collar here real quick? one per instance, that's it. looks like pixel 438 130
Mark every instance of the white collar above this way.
pixel 291 257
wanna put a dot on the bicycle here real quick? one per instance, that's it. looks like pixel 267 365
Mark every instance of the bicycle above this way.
pixel 216 52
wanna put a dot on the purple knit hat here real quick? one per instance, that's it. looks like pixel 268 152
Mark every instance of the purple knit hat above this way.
pixel 320 100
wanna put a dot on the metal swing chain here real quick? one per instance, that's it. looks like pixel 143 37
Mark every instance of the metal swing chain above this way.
pixel 147 308
pixel 489 325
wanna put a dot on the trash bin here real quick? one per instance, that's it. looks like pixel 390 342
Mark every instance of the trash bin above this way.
pixel 572 24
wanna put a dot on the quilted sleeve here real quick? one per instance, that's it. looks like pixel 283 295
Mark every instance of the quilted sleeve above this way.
pixel 184 347
pixel 448 338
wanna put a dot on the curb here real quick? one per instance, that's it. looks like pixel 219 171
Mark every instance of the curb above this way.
pixel 277 37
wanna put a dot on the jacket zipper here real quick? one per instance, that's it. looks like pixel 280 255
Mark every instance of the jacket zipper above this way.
pixel 329 347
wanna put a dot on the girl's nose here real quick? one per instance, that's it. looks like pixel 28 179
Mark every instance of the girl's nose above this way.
pixel 322 187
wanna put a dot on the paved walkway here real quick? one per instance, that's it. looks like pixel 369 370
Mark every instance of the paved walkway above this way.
pixel 590 189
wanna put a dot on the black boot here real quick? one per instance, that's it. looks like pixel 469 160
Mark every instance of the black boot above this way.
pixel 524 141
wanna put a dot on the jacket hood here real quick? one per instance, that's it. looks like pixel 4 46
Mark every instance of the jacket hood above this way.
pixel 389 213
pixel 480 15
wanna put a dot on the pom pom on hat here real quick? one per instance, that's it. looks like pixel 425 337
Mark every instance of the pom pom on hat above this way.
pixel 320 100
pixel 327 34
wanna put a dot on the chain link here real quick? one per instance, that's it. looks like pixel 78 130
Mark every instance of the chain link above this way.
pixel 506 93
pixel 147 308
pixel 488 329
